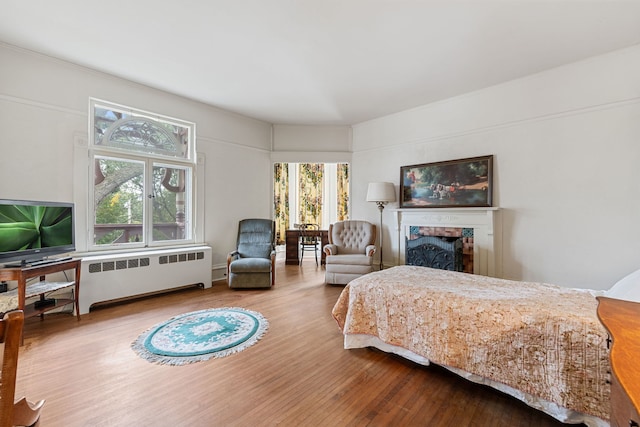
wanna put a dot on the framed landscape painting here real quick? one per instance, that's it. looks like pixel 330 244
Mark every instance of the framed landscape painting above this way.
pixel 450 184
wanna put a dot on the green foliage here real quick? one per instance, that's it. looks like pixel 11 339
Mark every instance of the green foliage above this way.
pixel 30 227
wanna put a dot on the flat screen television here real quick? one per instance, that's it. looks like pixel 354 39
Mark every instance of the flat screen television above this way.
pixel 32 231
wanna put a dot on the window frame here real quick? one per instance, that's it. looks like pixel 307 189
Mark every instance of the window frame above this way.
pixel 150 161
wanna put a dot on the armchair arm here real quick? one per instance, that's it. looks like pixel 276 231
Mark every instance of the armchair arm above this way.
pixel 370 250
pixel 330 249
pixel 273 268
pixel 230 257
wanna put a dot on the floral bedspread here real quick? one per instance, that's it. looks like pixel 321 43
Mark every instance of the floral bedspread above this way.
pixel 542 339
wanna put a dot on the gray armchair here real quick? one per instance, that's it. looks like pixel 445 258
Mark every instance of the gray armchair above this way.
pixel 350 251
pixel 253 263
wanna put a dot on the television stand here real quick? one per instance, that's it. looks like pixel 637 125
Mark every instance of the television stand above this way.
pixel 16 298
pixel 46 261
pixel 35 263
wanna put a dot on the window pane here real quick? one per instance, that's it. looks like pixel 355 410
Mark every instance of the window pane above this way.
pixel 119 201
pixel 124 130
pixel 171 198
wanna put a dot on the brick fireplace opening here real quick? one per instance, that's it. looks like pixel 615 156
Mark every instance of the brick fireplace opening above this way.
pixel 450 236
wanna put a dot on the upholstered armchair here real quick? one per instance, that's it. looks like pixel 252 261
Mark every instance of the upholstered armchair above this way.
pixel 253 263
pixel 350 251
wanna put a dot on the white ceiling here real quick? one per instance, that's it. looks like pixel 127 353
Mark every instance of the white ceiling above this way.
pixel 320 61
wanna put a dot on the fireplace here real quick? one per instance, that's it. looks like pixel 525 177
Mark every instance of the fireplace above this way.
pixel 444 253
pixel 477 229
pixel 429 244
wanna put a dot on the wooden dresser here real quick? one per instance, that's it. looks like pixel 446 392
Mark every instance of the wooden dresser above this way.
pixel 622 320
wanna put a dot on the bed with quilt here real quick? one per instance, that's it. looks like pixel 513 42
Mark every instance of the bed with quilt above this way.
pixel 541 343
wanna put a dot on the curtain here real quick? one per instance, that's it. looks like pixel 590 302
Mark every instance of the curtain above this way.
pixel 310 183
pixel 281 200
pixel 343 191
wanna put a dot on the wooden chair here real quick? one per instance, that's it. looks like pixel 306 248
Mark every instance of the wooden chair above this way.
pixel 22 412
pixel 309 239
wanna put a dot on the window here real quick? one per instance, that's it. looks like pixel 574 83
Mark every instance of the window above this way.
pixel 315 193
pixel 142 174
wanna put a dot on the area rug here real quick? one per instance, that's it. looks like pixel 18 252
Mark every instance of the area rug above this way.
pixel 201 335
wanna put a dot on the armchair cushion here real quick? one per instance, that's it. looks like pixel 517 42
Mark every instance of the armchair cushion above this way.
pixel 355 259
pixel 251 265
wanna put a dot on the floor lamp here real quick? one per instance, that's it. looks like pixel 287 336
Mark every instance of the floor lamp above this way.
pixel 381 193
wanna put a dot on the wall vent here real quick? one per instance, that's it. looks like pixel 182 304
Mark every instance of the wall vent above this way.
pixel 121 264
pixel 191 256
pixel 97 267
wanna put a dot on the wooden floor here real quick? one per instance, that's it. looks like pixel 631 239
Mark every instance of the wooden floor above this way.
pixel 297 375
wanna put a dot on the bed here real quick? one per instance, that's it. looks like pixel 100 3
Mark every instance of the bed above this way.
pixel 541 343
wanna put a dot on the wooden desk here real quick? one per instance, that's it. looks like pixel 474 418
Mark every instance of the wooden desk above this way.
pixel 622 320
pixel 292 238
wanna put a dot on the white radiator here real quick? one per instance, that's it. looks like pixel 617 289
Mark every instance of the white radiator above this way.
pixel 115 276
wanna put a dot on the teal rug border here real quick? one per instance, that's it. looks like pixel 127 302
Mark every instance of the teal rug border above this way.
pixel 140 345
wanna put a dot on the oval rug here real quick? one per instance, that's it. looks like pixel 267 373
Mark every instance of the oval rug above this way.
pixel 201 335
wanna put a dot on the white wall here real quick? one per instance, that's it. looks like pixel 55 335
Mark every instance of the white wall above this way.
pixel 311 138
pixel 44 106
pixel 567 165
pixel 565 144
pixel 311 144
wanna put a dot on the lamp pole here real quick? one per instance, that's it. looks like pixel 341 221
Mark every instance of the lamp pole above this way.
pixel 381 208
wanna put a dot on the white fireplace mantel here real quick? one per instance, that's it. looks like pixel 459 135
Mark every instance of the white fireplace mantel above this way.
pixel 486 232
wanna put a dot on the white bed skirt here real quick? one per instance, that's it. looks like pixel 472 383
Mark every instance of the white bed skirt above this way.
pixel 561 414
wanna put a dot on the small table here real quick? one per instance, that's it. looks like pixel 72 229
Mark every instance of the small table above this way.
pixel 23 291
pixel 292 237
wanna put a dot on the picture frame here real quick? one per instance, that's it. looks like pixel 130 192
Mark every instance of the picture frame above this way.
pixel 449 184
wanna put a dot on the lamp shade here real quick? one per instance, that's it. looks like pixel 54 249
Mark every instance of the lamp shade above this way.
pixel 381 192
